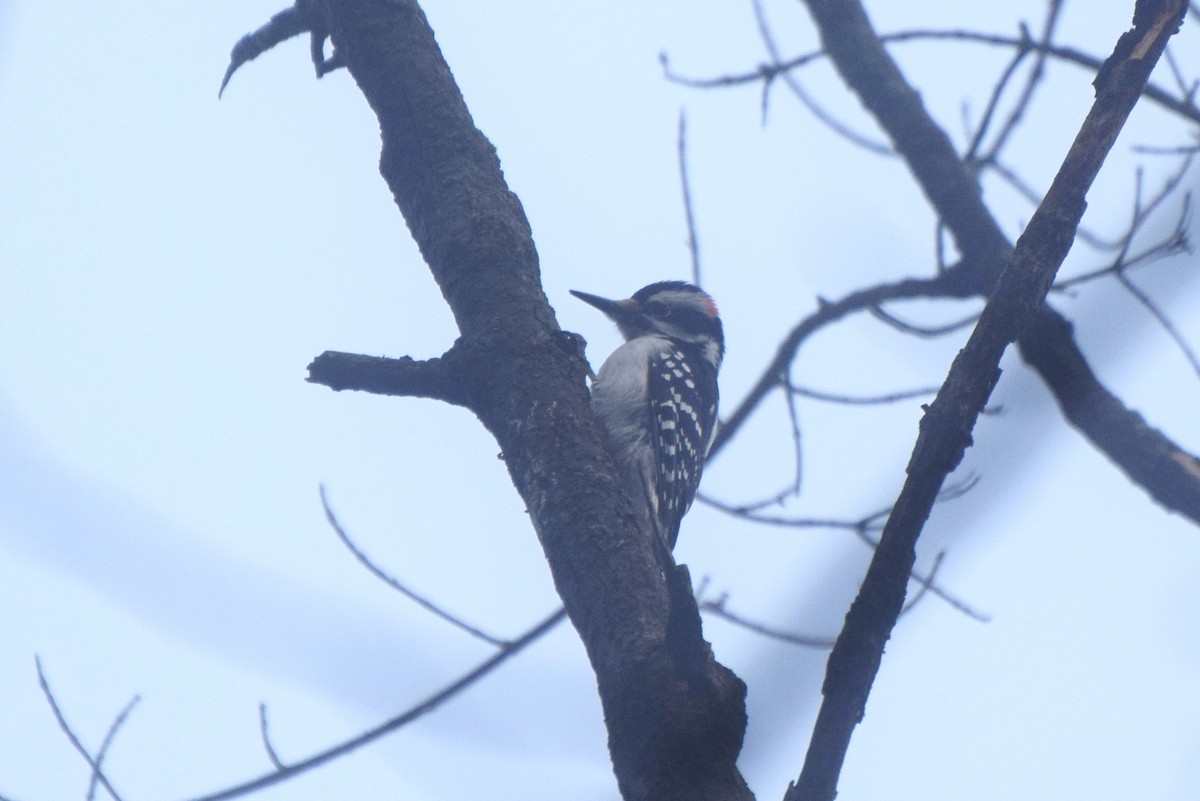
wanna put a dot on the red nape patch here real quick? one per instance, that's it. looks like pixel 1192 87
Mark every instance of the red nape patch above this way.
pixel 710 306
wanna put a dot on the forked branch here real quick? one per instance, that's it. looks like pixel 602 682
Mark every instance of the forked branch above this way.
pixel 945 431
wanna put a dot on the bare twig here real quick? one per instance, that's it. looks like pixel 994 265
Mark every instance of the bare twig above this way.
pixel 1185 107
pixel 1176 150
pixel 869 400
pixel 926 584
pixel 797 441
pixel 1023 188
pixel 751 512
pixel 1139 216
pixel 97 772
pixel 1174 243
pixel 928 332
pixel 693 241
pixel 993 106
pixel 264 730
pixel 718 609
pixel 946 284
pixel 1015 116
pixel 1172 331
pixel 861 528
pixel 817 110
pixel 109 738
pixel 421 709
pixel 399 587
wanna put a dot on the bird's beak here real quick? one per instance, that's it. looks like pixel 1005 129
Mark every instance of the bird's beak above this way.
pixel 619 311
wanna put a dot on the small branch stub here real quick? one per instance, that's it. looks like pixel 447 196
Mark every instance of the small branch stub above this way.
pixel 405 377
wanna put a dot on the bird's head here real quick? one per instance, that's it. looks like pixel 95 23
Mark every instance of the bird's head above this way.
pixel 680 311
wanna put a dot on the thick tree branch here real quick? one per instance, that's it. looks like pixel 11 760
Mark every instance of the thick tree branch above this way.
pixel 431 378
pixel 674 732
pixel 1151 460
pixel 945 431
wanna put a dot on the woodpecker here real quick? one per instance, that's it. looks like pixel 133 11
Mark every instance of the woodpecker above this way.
pixel 656 396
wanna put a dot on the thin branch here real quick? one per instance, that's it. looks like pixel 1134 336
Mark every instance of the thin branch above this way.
pixel 109 738
pixel 797 440
pixel 264 730
pixel 421 709
pixel 926 584
pixel 993 105
pixel 751 513
pixel 1176 73
pixel 1035 78
pixel 1034 197
pixel 1174 243
pixel 398 586
pixel 718 609
pixel 1140 215
pixel 1160 316
pixel 861 527
pixel 818 111
pixel 1177 150
pixel 693 241
pixel 947 284
pixel 97 772
pixel 869 400
pixel 927 332
pixel 767 72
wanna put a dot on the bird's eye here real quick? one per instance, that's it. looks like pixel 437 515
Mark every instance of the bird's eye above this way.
pixel 658 309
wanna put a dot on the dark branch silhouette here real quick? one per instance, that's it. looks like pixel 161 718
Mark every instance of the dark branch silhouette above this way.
pixel 945 431
pixel 399 587
pixel 109 737
pixel 1185 107
pixel 430 378
pixel 693 239
pixel 98 776
pixel 265 731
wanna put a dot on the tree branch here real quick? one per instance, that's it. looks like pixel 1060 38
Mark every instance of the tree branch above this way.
pixel 674 733
pixel 284 772
pixel 765 73
pixel 93 763
pixel 1168 473
pixel 430 378
pixel 945 431
pixel 948 284
pixel 850 41
pixel 399 587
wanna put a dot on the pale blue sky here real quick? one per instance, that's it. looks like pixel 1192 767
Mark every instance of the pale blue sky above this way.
pixel 169 264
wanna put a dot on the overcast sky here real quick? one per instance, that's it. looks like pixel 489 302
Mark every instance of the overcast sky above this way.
pixel 169 264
